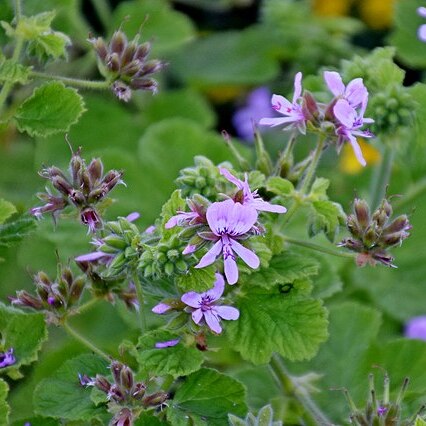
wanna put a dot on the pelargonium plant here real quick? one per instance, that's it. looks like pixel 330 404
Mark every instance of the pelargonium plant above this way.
pixel 226 283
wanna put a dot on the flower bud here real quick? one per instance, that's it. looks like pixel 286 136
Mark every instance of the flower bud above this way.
pixel 100 47
pixel 113 62
pixel 142 51
pixel 23 298
pixel 128 54
pixel 401 223
pixel 144 84
pixel 126 378
pixel 116 368
pixel 90 218
pixel 62 185
pixel 118 43
pixel 139 391
pixel 362 212
pixel 102 383
pixel 76 290
pixel 155 399
pixel 116 394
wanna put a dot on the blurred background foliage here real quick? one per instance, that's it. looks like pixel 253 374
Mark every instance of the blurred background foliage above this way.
pixel 218 51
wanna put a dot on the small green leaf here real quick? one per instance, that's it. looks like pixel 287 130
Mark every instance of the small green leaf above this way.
pixel 419 422
pixel 178 360
pixel 16 230
pixel 325 216
pixel 279 186
pixel 14 326
pixel 12 72
pixel 51 45
pixel 171 208
pixel 198 280
pixel 206 397
pixel 62 395
pixel 319 189
pixel 4 407
pixel 52 108
pixel 36 421
pixel 7 209
pixel 296 327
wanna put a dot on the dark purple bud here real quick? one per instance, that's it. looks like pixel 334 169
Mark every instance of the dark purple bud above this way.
pixel 123 418
pixel 112 178
pixel 155 399
pixel 76 289
pixel 7 358
pixel 329 113
pixel 86 184
pixel 380 217
pixel 76 166
pixel 102 383
pixel 144 84
pixel 139 391
pixel 25 299
pixel 353 226
pixel 152 67
pixel 113 62
pixel 362 212
pixel 142 51
pixel 77 197
pixel 384 258
pixel 381 411
pixel 85 380
pixel 126 378
pixel 118 42
pixel 401 223
pixel 51 172
pixel 115 394
pixel 351 244
pixel 390 240
pixel 42 278
pixel 309 107
pixel 100 47
pixel 116 368
pixel 67 276
pixel 128 54
pixel 122 91
pixel 95 170
pixel 90 218
pixel 131 69
pixel 370 235
pixel 62 185
pixel 42 291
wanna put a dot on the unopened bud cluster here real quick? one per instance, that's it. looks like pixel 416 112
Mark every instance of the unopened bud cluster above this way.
pixel 125 64
pixel 124 393
pixel 199 179
pixel 382 411
pixel 56 297
pixel 373 234
pixel 84 187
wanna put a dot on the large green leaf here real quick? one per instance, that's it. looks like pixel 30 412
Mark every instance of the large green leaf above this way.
pixel 276 322
pixel 14 329
pixel 198 280
pixel 6 210
pixel 16 230
pixel 178 360
pixel 62 395
pixel 206 397
pixel 4 407
pixel 52 108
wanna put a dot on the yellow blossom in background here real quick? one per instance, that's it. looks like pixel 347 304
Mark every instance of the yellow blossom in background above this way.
pixel 331 7
pixel 377 14
pixel 350 165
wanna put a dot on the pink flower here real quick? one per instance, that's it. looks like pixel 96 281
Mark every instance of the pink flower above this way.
pixel 251 198
pixel 229 222
pixel 203 306
pixel 354 93
pixel 351 122
pixel 294 117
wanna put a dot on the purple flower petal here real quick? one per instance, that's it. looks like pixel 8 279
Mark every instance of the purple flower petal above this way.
pixel 422 11
pixel 297 87
pixel 216 292
pixel 334 83
pixel 249 257
pixel 7 358
pixel 192 299
pixel 357 150
pixel 264 206
pixel 356 92
pixel 212 321
pixel 197 315
pixel 190 248
pixel 90 257
pixel 210 256
pixel 167 343
pixel 228 312
pixel 230 177
pixel 231 270
pixel 133 216
pixel 281 104
pixel 416 328
pixel 344 113
pixel 161 308
pixel 421 32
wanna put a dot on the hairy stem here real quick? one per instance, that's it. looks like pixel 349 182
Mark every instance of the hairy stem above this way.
pixel 141 300
pixel 86 306
pixel 76 82
pixel 314 416
pixel 18 9
pixel 307 180
pixel 381 177
pixel 77 336
pixel 319 248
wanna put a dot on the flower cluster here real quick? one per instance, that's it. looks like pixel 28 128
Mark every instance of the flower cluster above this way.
pixel 203 307
pixel 372 235
pixel 125 64
pixel 225 224
pixel 341 120
pixel 56 297
pixel 126 396
pixel 84 188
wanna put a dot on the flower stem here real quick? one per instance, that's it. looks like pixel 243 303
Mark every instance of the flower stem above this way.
pixel 86 306
pixel 77 336
pixel 18 10
pixel 381 177
pixel 141 300
pixel 313 415
pixel 76 82
pixel 307 180
pixel 319 248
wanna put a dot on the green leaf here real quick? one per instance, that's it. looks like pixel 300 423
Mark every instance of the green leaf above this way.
pixel 296 326
pixel 51 45
pixel 16 230
pixel 279 186
pixel 284 268
pixel 170 208
pixel 199 280
pixel 178 360
pixel 62 395
pixel 168 28
pixel 52 108
pixel 419 422
pixel 11 72
pixel 206 397
pixel 14 326
pixel 325 216
pixel 328 281
pixel 4 407
pixel 410 49
pixel 319 189
pixel 6 210
pixel 147 419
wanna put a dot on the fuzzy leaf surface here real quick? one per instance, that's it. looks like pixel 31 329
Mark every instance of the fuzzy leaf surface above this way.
pixel 4 407
pixel 52 108
pixel 206 397
pixel 198 280
pixel 62 395
pixel 178 360
pixel 7 209
pixel 275 322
